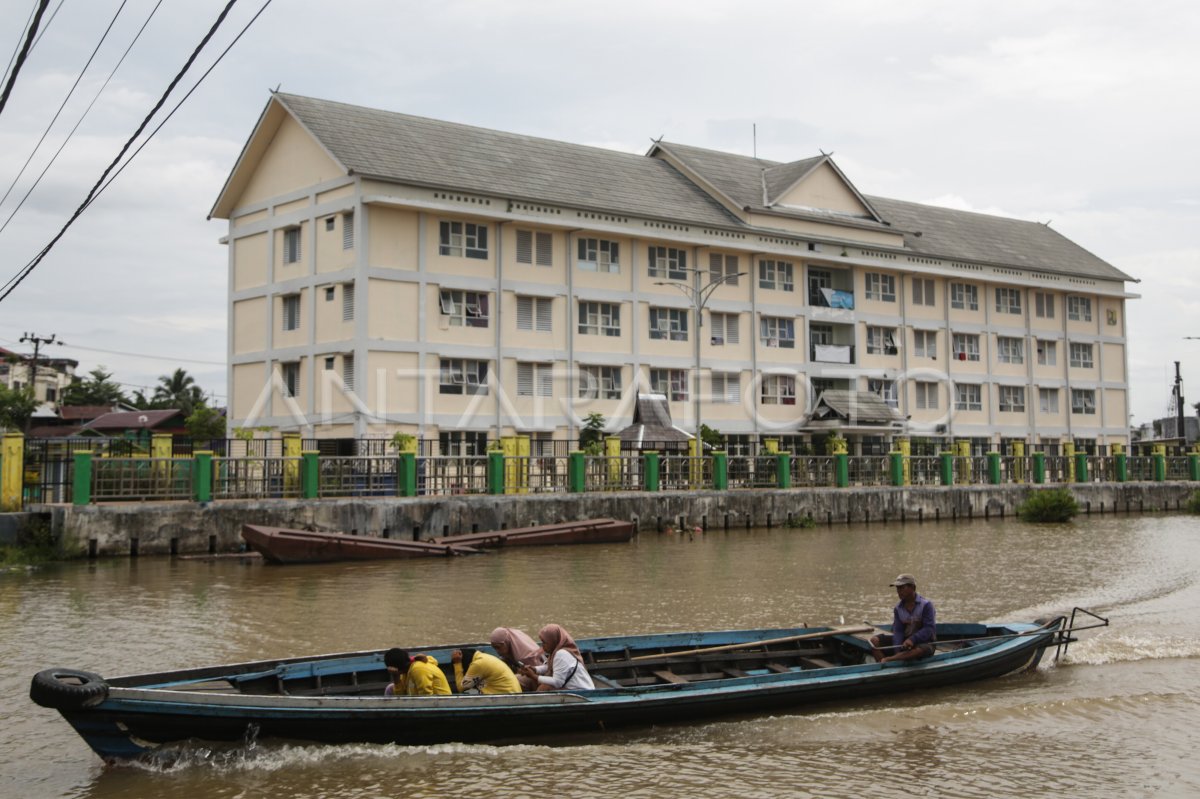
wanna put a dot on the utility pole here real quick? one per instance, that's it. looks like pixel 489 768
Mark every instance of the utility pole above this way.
pixel 1177 396
pixel 37 341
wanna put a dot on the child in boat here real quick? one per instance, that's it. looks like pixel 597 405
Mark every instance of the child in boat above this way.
pixel 414 675
pixel 517 650
pixel 563 669
pixel 485 674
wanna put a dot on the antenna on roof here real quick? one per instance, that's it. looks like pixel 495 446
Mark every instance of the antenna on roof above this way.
pixel 826 154
pixel 754 137
pixel 1047 222
pixel 276 89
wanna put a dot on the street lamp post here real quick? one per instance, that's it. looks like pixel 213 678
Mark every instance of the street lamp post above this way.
pixel 699 295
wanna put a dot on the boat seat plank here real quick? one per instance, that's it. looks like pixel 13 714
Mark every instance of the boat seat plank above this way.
pixel 669 676
pixel 605 682
pixel 778 668
pixel 734 672
pixel 817 663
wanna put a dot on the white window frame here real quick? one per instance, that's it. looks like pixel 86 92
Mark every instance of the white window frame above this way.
pixel 926 394
pixel 599 255
pixel 880 287
pixel 535 247
pixel 887 390
pixel 965 344
pixel 465 308
pixel 669 263
pixel 924 292
pixel 1043 304
pixel 925 344
pixel 673 383
pixel 599 318
pixel 1079 309
pixel 723 268
pixel 600 382
pixel 1083 401
pixel 1008 300
pixel 1048 400
pixel 289 371
pixel 1081 355
pixel 462 376
pixel 778 390
pixel 776 275
pixel 777 331
pixel 668 324
pixel 1047 352
pixel 964 296
pixel 724 328
pixel 881 340
pixel 1010 349
pixel 726 388
pixel 463 239
pixel 292 247
pixel 968 397
pixel 1011 399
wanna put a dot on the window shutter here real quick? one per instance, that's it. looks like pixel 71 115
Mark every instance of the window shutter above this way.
pixel 348 371
pixel 545 249
pixel 545 380
pixel 716 266
pixel 524 313
pixel 524 380
pixel 732 389
pixel 347 302
pixel 544 314
pixel 348 231
pixel 524 246
pixel 731 329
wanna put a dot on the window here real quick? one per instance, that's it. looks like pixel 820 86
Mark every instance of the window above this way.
pixel 779 390
pixel 458 376
pixel 820 334
pixel 1010 350
pixel 1048 400
pixel 726 388
pixel 881 287
pixel 669 324
pixel 599 319
pixel 1043 305
pixel 463 239
pixel 1083 400
pixel 886 389
pixel 1012 399
pixel 668 262
pixel 723 268
pixel 291 312
pixel 724 329
pixel 535 247
pixel 330 363
pixel 462 442
pixel 1111 315
pixel 330 293
pixel 923 293
pixel 1008 301
pixel 925 343
pixel 348 371
pixel 673 383
pixel 966 347
pixel 291 377
pixel 347 302
pixel 330 222
pixel 1047 353
pixel 535 379
pixel 291 245
pixel 348 231
pixel 600 382
pixel 775 275
pixel 927 394
pixel 1079 309
pixel 51 393
pixel 1081 355
pixel 881 341
pixel 599 255
pixel 968 397
pixel 964 296
pixel 777 331
pixel 534 313
pixel 465 308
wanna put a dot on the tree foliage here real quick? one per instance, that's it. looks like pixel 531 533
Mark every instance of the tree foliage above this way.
pixel 204 423
pixel 591 437
pixel 1049 505
pixel 179 390
pixel 98 388
pixel 16 407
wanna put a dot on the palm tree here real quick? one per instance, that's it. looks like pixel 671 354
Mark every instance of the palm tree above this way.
pixel 179 390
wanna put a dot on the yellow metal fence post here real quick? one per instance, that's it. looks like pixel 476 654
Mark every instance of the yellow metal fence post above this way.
pixel 291 464
pixel 12 471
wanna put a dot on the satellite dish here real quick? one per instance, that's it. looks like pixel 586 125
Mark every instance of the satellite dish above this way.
pixel 143 419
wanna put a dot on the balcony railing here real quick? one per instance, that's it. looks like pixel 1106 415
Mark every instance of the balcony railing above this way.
pixel 831 353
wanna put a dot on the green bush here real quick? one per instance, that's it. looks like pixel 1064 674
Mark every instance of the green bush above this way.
pixel 1049 505
pixel 1193 503
pixel 35 545
pixel 806 522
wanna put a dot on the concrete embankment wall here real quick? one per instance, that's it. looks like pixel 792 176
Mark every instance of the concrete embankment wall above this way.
pixel 183 528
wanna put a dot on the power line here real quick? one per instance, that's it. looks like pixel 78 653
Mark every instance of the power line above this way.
pixel 168 358
pixel 25 48
pixel 16 281
pixel 82 117
pixel 17 46
pixel 46 27
pixel 66 99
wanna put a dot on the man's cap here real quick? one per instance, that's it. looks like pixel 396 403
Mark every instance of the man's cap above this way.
pixel 904 579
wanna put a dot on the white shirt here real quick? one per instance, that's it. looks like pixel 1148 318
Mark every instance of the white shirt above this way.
pixel 564 664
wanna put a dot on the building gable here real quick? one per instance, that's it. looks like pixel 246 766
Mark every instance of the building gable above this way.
pixel 822 187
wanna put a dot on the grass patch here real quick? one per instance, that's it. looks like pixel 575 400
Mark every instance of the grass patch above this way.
pixel 1193 503
pixel 35 545
pixel 1049 505
pixel 806 522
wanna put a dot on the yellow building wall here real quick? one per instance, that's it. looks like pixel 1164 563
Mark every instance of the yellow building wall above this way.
pixel 250 325
pixel 392 310
pixel 585 344
pixel 329 397
pixel 291 338
pixel 935 311
pixel 330 324
pixel 1038 323
pixel 1115 410
pixel 727 351
pixel 249 380
pixel 534 411
pixel 453 264
pixel 292 161
pixel 393 239
pixel 299 268
pixel 1112 316
pixel 250 261
pixel 823 188
pixel 291 206
pixel 1113 357
pixel 392 381
pixel 250 219
pixel 279 405
pixel 1084 326
pixel 438 327
pixel 514 337
pixel 339 193
pixel 331 256
pixel 966 314
pixel 556 273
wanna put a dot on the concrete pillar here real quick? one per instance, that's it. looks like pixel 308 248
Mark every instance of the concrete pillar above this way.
pixel 1018 461
pixel 291 464
pixel 904 445
pixel 12 472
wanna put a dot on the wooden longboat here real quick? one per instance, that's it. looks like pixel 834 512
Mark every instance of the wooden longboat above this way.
pixel 591 531
pixel 285 546
pixel 640 680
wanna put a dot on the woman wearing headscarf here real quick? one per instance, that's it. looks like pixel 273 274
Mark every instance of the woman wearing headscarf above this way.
pixel 518 650
pixel 563 669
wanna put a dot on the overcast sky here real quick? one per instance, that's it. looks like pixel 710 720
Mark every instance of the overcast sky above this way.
pixel 1083 114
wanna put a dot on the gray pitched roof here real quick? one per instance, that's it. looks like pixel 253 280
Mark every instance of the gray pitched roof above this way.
pixel 859 407
pixel 428 152
pixel 652 425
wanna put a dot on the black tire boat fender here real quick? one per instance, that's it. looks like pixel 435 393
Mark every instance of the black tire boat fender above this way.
pixel 68 689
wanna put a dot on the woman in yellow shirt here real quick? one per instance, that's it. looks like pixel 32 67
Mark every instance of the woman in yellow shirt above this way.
pixel 487 673
pixel 415 675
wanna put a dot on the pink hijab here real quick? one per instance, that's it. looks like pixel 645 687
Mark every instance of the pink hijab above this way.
pixel 522 650
pixel 557 638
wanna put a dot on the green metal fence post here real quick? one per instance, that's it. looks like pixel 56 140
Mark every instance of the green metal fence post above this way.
pixel 1193 466
pixel 896 466
pixel 1039 467
pixel 650 470
pixel 947 468
pixel 1122 467
pixel 82 483
pixel 575 473
pixel 783 470
pixel 1081 467
pixel 202 480
pixel 495 472
pixel 994 468
pixel 406 474
pixel 841 470
pixel 310 474
pixel 1160 467
pixel 720 471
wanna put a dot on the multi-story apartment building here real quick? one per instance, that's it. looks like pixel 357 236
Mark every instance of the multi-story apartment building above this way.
pixel 390 272
pixel 54 375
